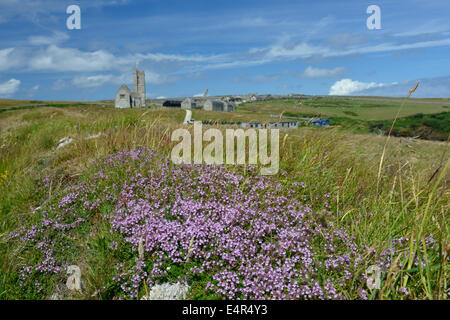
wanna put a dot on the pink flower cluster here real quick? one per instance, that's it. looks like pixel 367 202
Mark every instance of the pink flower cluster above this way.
pixel 250 235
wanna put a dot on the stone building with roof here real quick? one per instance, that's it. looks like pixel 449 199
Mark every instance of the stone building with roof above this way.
pixel 125 98
pixel 218 105
pixel 189 104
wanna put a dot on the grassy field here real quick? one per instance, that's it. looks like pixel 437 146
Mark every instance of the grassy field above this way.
pixel 354 109
pixel 367 201
pixel 13 104
pixel 417 118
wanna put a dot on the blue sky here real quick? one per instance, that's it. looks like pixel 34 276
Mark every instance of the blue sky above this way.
pixel 230 47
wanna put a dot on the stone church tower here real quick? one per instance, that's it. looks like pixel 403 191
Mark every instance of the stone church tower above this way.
pixel 125 98
pixel 139 85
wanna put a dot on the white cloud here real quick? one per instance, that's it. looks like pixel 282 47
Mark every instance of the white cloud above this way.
pixel 91 81
pixel 318 27
pixel 154 78
pixel 8 59
pixel 59 85
pixel 33 90
pixel 227 65
pixel 387 47
pixel 4 57
pixel 257 78
pixel 344 40
pixel 55 38
pixel 159 57
pixel 428 27
pixel 237 22
pixel 285 49
pixel 39 10
pixel 301 50
pixel 311 72
pixel 9 88
pixel 347 87
pixel 252 22
pixel 429 88
pixel 59 59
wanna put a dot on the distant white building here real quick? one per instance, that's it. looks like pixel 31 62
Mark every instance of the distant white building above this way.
pixel 125 98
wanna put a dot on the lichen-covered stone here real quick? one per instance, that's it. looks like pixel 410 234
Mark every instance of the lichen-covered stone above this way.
pixel 168 291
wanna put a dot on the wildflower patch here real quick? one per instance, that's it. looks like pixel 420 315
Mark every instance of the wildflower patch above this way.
pixel 228 233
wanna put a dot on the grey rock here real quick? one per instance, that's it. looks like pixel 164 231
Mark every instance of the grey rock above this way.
pixel 95 136
pixel 74 280
pixel 64 142
pixel 168 291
